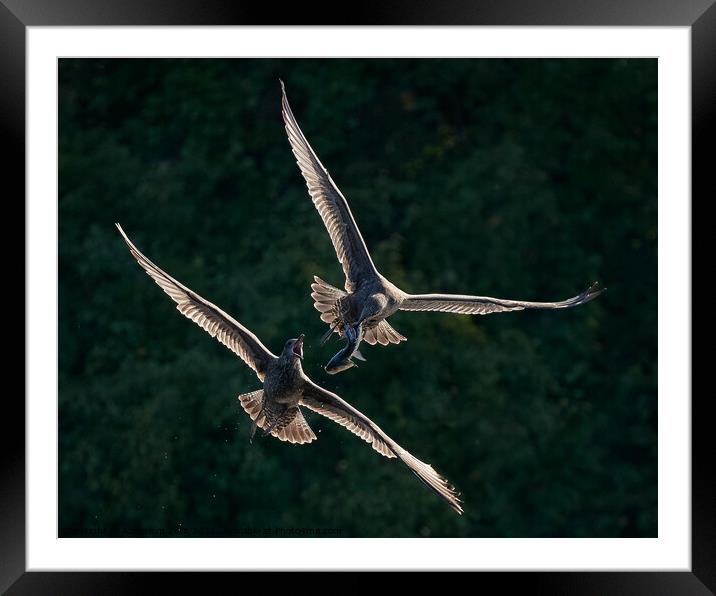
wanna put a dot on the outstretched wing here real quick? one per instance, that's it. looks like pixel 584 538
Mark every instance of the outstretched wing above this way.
pixel 208 316
pixel 483 305
pixel 333 407
pixel 331 204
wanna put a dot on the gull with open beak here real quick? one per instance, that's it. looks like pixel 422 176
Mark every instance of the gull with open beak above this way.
pixel 276 408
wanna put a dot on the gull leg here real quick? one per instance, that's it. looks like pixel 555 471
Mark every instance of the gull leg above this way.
pixel 271 426
pixel 254 425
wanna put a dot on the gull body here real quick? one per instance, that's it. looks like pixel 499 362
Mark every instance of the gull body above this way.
pixel 277 408
pixel 369 298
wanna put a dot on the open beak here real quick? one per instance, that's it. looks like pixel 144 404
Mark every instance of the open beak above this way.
pixel 298 347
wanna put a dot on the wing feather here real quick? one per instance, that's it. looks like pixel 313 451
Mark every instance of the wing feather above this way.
pixel 330 204
pixel 208 316
pixel 483 305
pixel 334 408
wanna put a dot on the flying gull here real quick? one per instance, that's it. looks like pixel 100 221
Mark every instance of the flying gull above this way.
pixel 369 298
pixel 276 408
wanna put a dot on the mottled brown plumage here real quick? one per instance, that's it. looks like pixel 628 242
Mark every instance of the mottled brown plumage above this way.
pixel 277 407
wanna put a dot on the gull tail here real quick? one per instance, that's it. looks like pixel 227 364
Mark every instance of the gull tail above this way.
pixel 383 334
pixel 297 431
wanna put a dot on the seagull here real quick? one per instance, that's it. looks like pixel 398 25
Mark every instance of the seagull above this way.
pixel 277 407
pixel 369 298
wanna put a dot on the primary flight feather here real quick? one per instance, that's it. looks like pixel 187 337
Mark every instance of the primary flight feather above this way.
pixel 360 311
pixel 276 408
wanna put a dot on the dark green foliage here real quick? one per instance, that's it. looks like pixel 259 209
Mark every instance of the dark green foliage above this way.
pixel 521 179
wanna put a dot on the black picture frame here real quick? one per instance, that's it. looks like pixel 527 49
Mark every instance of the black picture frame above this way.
pixel 17 15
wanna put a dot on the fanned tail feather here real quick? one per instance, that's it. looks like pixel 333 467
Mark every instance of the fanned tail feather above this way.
pixel 383 334
pixel 296 431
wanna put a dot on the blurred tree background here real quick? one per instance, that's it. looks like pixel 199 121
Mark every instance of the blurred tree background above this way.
pixel 523 179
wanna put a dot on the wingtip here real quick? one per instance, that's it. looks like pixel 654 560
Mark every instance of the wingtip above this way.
pixel 121 231
pixel 591 292
pixel 457 502
pixel 595 289
pixel 285 109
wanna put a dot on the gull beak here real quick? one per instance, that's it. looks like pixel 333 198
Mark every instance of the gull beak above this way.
pixel 298 347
